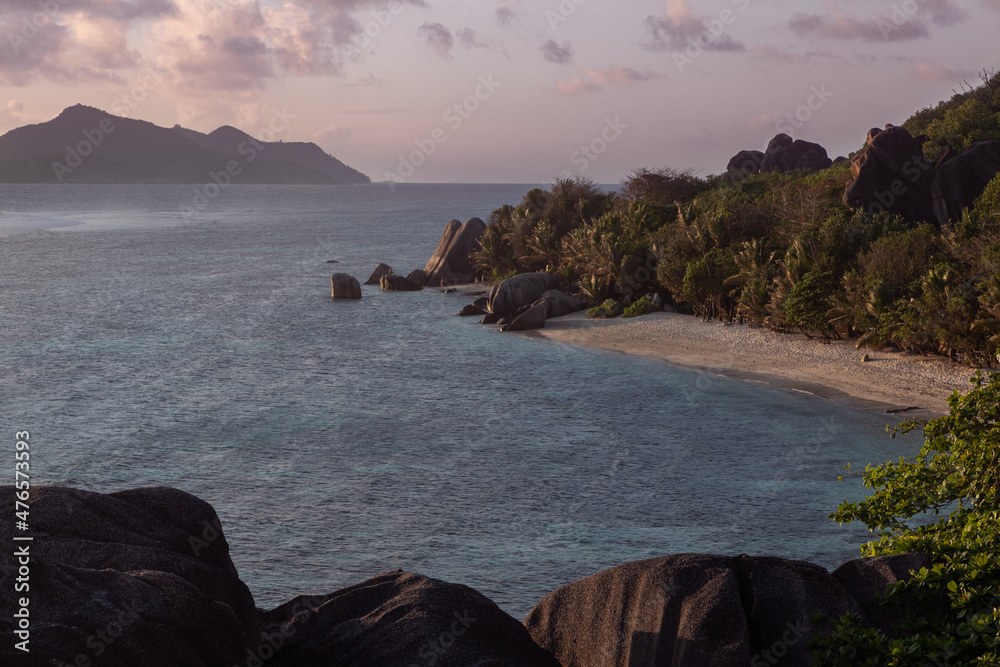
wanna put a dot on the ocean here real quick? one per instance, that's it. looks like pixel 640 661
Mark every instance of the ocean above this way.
pixel 338 440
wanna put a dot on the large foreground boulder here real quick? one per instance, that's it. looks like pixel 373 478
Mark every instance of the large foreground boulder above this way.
pixel 512 294
pixel 139 577
pixel 450 265
pixel 344 286
pixel 380 270
pixel 393 283
pixel 698 610
pixel 785 154
pixel 960 180
pixel 398 619
pixel 892 174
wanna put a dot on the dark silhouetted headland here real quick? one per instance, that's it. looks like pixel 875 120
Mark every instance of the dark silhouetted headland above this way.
pixel 87 145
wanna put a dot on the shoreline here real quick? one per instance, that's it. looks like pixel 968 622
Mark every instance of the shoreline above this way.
pixel 792 361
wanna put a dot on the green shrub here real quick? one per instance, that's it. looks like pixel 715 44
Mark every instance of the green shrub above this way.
pixel 607 310
pixel 808 303
pixel 705 282
pixel 957 472
pixel 970 116
pixel 612 251
pixel 987 206
pixel 643 306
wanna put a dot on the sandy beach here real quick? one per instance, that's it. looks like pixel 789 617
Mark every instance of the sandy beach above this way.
pixel 836 370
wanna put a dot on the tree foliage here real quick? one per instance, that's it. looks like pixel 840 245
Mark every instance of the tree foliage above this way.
pixel 944 502
pixel 776 249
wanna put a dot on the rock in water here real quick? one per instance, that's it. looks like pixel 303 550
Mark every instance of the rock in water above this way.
pixel 702 610
pixel 470 310
pixel 344 286
pixel 393 283
pixel 450 262
pixel 417 277
pixel 743 164
pixel 380 270
pixel 961 179
pixel 519 291
pixel 533 318
pixel 398 619
pixel 561 304
pixel 892 174
pixel 139 577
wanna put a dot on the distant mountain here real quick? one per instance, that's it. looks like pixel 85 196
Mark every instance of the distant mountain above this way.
pixel 87 145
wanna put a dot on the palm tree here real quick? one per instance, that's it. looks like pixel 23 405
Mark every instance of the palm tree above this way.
pixel 755 265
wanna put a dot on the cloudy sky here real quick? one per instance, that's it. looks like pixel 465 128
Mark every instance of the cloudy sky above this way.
pixel 501 91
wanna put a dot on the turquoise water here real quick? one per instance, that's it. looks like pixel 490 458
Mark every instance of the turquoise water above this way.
pixel 339 440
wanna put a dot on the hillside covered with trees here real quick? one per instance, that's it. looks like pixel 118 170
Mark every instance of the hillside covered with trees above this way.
pixel 774 249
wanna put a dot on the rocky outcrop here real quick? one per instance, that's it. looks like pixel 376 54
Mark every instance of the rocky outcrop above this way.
pixel 144 577
pixel 380 270
pixel 959 180
pixel 551 303
pixel 398 619
pixel 892 174
pixel 518 291
pixel 393 283
pixel 706 610
pixel 417 277
pixel 744 163
pixel 533 317
pixel 785 154
pixel 344 286
pixel 450 265
pixel 865 579
pixel 140 577
pixel 561 304
pixel 471 310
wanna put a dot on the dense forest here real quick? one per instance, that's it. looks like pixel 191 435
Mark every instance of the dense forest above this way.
pixel 781 250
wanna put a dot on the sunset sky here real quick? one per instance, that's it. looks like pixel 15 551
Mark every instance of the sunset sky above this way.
pixel 639 83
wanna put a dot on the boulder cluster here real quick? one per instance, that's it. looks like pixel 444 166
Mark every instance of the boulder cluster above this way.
pixel 782 154
pixel 526 301
pixel 449 265
pixel 144 577
pixel 892 174
pixel 519 303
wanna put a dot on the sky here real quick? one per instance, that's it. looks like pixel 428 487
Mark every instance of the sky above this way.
pixel 512 91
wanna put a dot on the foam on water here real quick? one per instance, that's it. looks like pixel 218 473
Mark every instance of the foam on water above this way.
pixel 11 222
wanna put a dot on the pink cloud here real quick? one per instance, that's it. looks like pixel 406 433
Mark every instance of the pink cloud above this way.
pixel 577 86
pixel 939 73
pixel 680 27
pixel 596 78
pixel 622 75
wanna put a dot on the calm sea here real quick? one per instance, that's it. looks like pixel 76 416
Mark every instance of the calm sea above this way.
pixel 339 440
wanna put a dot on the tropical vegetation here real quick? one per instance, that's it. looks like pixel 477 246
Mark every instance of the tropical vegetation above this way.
pixel 780 250
pixel 944 502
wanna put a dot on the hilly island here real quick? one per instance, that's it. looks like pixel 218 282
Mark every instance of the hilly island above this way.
pixel 87 145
